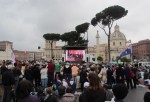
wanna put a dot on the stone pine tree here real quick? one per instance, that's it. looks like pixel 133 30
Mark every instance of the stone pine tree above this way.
pixel 52 37
pixel 106 18
pixel 83 28
pixel 70 37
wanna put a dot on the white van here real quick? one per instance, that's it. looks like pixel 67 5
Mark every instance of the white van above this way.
pixel 144 64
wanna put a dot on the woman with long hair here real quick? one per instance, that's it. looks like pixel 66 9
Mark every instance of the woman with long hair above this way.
pixel 95 92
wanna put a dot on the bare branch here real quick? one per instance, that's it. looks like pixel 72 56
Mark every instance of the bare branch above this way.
pixel 103 29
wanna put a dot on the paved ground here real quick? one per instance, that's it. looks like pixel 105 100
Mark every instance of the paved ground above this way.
pixel 136 95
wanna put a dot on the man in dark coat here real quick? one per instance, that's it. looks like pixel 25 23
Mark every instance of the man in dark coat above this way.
pixel 8 82
pixel 128 76
pixel 3 67
pixel 36 74
pixel 83 77
pixel 109 76
pixel 28 74
pixel 119 75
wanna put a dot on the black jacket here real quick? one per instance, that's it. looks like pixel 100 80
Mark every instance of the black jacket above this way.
pixel 83 76
pixel 8 78
pixel 3 69
pixel 127 73
pixel 67 70
pixel 28 74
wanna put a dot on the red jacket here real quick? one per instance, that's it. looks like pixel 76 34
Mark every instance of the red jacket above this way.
pixel 51 67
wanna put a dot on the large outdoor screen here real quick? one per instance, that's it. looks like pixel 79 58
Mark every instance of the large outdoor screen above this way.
pixel 75 55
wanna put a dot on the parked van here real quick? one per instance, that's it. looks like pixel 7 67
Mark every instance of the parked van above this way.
pixel 147 64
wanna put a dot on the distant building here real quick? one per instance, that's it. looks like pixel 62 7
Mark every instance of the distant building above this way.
pixel 5 50
pixel 141 50
pixel 57 51
pixel 5 44
pixel 28 55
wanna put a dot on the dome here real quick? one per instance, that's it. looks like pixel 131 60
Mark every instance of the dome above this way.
pixel 117 35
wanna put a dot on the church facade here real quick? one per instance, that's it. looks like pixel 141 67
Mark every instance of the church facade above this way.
pixel 118 43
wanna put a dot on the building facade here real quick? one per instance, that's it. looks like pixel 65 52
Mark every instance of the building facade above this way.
pixel 118 43
pixel 5 44
pixel 57 51
pixel 141 50
pixel 5 50
pixel 28 55
pixel 6 53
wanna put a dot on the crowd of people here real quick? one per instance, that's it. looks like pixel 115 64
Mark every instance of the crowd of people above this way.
pixel 52 81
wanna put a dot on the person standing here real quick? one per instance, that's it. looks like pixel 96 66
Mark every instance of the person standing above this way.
pixel 3 68
pixel 28 73
pixel 8 81
pixel 83 77
pixel 43 73
pixel 109 76
pixel 74 72
pixel 119 75
pixel 103 75
pixel 67 71
pixel 36 74
pixel 57 71
pixel 51 69
pixel 134 69
pixel 128 76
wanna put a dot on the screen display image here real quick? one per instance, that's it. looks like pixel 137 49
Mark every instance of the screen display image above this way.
pixel 75 55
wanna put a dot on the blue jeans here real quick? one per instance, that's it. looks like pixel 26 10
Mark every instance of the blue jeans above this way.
pixel 44 82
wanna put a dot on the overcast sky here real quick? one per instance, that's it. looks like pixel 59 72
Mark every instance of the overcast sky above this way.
pixel 24 22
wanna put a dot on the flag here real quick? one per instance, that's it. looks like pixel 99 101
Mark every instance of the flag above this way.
pixel 127 51
pixel 12 57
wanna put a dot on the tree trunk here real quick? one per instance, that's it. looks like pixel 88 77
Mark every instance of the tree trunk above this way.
pixel 87 43
pixel 52 50
pixel 109 57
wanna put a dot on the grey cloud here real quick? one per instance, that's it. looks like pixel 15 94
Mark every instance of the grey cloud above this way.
pixel 25 21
